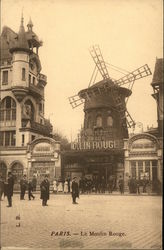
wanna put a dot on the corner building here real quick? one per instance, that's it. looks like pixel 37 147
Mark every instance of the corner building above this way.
pixel 26 146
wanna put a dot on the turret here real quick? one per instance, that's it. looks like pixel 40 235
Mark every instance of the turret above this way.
pixel 20 64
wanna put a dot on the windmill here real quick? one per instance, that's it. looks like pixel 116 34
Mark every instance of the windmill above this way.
pixel 112 86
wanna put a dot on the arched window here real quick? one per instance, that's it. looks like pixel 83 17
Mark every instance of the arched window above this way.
pixel 99 121
pixel 8 109
pixel 110 121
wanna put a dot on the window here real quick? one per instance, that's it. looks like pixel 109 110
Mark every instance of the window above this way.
pixel 40 107
pixel 29 79
pixel 147 169
pixel 133 168
pixel 33 80
pixel 23 74
pixel 22 140
pixel 99 121
pixel 7 138
pixel 140 170
pixel 109 121
pixel 5 77
pixel 8 109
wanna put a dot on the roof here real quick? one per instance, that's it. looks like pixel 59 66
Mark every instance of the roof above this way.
pixel 158 72
pixel 7 40
pixel 10 40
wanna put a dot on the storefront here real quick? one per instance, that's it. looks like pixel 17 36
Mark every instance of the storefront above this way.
pixel 44 159
pixel 143 159
pixel 93 164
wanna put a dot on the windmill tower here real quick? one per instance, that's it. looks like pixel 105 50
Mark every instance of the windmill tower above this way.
pixel 106 114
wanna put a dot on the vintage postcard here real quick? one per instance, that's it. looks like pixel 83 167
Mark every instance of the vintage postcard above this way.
pixel 81 124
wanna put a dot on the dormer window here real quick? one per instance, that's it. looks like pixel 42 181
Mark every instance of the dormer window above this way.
pixel 23 74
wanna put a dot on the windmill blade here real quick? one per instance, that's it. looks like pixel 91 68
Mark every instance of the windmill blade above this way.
pixel 75 101
pixel 99 61
pixel 130 122
pixel 141 72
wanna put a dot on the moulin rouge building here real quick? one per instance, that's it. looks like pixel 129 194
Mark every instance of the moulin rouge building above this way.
pixel 99 151
pixel 26 146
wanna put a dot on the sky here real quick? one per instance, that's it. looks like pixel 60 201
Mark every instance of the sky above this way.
pixel 129 33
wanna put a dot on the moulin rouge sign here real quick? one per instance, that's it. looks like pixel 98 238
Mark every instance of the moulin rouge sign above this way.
pixel 89 145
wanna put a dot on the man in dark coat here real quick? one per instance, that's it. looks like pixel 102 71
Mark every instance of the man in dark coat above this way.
pixel 75 190
pixel 23 187
pixel 34 182
pixel 9 188
pixel 121 185
pixel 30 189
pixel 45 189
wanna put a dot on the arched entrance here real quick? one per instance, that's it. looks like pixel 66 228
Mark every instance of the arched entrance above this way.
pixel 17 171
pixel 3 170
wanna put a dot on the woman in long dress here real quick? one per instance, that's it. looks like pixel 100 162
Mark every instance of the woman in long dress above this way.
pixel 55 186
pixel 66 186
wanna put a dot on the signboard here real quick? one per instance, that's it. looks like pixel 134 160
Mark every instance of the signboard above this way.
pixel 143 144
pixel 89 145
pixel 43 148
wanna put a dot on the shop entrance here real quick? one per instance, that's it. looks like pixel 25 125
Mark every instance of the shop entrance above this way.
pixel 17 171
pixel 40 169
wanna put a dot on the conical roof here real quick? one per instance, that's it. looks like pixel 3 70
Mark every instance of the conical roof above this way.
pixel 21 43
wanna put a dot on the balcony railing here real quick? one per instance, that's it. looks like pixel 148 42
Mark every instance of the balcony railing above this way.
pixel 36 90
pixel 43 78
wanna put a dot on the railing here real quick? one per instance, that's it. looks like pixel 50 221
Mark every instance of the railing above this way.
pixel 36 89
pixel 42 77
pixel 43 129
pixel 11 123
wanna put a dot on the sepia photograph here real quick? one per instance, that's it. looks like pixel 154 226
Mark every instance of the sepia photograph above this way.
pixel 81 124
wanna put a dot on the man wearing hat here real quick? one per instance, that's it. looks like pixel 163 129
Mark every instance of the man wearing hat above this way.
pixel 44 188
pixel 75 190
pixel 23 187
pixel 9 188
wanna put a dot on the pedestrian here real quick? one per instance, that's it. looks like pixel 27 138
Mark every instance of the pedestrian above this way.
pixel 9 188
pixel 45 189
pixel 145 182
pixel 130 184
pixel 66 186
pixel 30 189
pixel 1 187
pixel 121 185
pixel 34 182
pixel 55 188
pixel 69 180
pixel 138 186
pixel 75 190
pixel 111 184
pixel 103 184
pixel 23 187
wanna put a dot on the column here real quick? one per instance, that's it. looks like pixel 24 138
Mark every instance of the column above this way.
pixel 151 171
pixel 137 170
pixel 144 167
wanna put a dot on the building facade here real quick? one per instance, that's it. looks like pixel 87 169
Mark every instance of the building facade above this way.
pixel 22 121
pixel 144 151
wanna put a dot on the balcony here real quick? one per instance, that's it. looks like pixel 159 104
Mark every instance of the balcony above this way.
pixel 36 127
pixel 42 80
pixel 36 91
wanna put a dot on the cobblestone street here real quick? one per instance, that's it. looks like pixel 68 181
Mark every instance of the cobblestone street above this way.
pixel 121 222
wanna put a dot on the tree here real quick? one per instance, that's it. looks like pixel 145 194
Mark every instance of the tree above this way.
pixel 65 144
